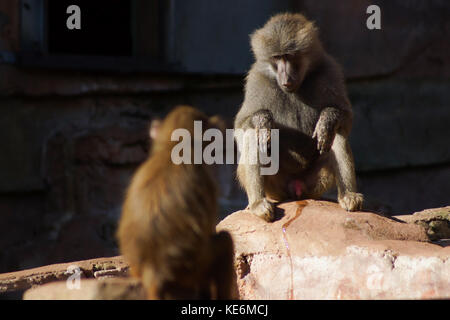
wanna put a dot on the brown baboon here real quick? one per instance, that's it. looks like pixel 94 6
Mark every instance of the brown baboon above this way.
pixel 167 228
pixel 296 87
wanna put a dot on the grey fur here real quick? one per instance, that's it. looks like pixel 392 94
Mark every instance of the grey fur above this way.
pixel 314 120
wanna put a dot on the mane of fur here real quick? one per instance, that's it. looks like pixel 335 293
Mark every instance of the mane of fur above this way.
pixel 275 38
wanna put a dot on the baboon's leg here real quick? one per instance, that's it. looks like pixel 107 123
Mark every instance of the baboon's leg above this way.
pixel 344 169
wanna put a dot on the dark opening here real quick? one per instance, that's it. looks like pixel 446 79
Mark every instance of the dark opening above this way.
pixel 106 28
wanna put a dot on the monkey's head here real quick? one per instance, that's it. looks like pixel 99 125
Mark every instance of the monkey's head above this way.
pixel 182 117
pixel 287 46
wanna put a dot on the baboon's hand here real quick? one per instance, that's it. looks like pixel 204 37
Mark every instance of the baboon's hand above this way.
pixel 262 121
pixel 325 133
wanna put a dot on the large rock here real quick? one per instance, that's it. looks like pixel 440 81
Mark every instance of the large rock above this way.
pixel 93 268
pixel 91 289
pixel 435 221
pixel 316 250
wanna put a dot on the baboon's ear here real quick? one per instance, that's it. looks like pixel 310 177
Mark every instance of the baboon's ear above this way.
pixel 154 129
pixel 217 122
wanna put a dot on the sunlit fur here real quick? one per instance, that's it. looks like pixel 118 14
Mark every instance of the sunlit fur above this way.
pixel 285 34
pixel 314 117
pixel 167 227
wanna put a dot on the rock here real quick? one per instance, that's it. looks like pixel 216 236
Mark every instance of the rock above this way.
pixel 98 268
pixel 316 250
pixel 435 221
pixel 91 289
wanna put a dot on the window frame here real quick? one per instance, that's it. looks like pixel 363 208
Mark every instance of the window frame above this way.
pixel 34 43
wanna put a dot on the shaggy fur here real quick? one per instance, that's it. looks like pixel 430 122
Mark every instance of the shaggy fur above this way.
pixel 314 117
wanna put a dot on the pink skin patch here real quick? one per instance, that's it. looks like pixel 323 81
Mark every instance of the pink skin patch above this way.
pixel 296 188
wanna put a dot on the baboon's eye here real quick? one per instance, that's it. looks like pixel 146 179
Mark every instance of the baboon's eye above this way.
pixel 289 56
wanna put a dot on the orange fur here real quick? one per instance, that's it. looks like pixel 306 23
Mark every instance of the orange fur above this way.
pixel 167 227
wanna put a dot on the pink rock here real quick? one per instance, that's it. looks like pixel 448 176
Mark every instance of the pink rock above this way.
pixel 89 289
pixel 319 251
pixel 25 279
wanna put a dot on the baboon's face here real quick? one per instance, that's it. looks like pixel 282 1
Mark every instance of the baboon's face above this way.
pixel 289 71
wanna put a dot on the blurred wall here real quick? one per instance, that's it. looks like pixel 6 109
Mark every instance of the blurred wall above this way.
pixel 72 139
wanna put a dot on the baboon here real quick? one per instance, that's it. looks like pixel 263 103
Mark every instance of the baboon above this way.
pixel 296 87
pixel 167 227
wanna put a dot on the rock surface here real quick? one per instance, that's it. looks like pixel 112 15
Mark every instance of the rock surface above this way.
pixel 316 250
pixel 435 221
pixel 94 268
pixel 90 289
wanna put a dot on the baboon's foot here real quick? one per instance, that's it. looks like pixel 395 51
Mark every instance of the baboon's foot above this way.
pixel 263 208
pixel 351 201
